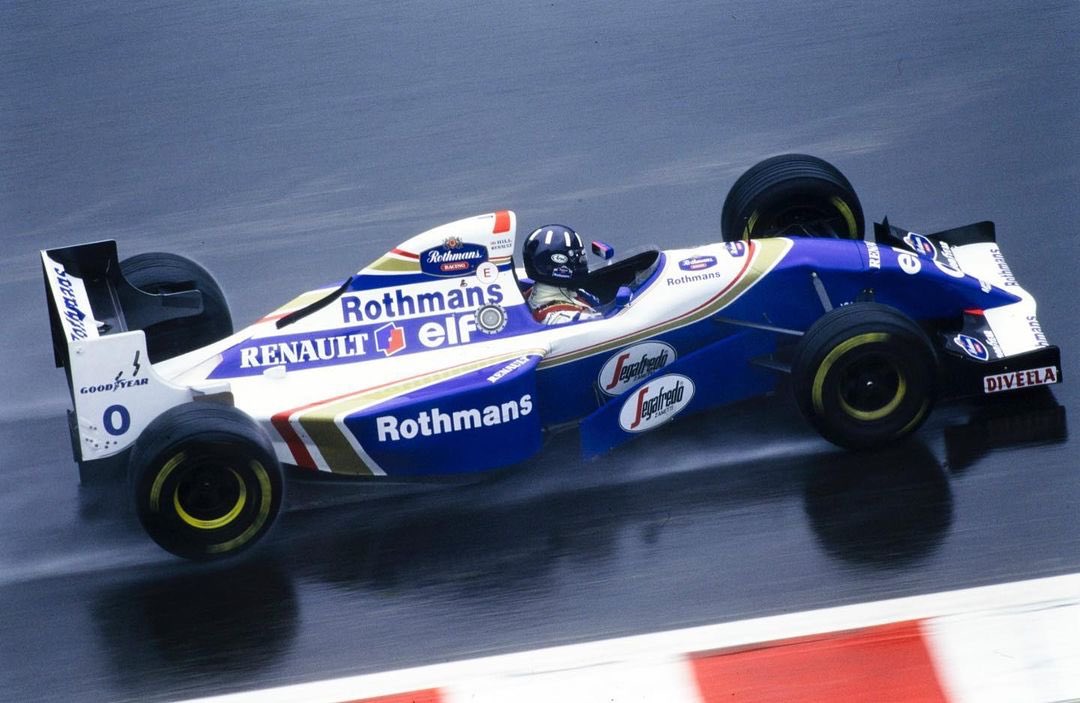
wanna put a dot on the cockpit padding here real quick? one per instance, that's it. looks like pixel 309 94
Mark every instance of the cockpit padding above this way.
pixel 632 271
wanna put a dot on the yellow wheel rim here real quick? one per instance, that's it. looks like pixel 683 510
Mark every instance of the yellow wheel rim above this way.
pixel 883 411
pixel 849 217
pixel 265 496
pixel 159 480
pixel 241 500
pixel 818 388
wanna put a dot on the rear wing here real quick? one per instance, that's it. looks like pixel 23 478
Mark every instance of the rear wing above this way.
pixel 89 297
pixel 96 319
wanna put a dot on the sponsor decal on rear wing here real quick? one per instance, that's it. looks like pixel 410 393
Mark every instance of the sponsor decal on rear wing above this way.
pixel 69 301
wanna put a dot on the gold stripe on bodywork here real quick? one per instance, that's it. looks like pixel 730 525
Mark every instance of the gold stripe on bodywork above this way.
pixel 334 446
pixel 767 253
pixel 391 264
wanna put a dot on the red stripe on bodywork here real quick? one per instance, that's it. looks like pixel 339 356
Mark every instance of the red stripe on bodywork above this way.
pixel 406 254
pixel 886 663
pixel 431 695
pixel 502 222
pixel 300 452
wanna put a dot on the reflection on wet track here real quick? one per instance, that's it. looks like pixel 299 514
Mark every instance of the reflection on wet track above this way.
pixel 885 511
pixel 223 623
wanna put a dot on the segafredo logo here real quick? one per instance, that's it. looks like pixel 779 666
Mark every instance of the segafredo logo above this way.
pixel 656 402
pixel 737 248
pixel 696 263
pixel 453 258
pixel 633 364
pixel 972 347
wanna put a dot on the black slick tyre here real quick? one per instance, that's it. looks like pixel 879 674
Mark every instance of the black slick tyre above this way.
pixel 205 481
pixel 865 375
pixel 792 195
pixel 161 272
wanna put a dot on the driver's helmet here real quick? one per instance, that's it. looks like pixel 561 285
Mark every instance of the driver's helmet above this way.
pixel 555 254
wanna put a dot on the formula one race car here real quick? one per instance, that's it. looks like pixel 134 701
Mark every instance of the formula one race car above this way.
pixel 428 362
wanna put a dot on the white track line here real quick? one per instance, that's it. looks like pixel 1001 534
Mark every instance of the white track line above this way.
pixel 973 609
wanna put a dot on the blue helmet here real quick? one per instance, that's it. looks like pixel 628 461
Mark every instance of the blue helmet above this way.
pixel 555 254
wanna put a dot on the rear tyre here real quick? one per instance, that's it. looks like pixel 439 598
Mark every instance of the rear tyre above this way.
pixel 160 272
pixel 792 195
pixel 865 375
pixel 205 480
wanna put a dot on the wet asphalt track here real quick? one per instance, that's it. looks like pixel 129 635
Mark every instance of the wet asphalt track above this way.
pixel 284 147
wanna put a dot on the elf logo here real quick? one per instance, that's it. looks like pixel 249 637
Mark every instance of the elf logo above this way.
pixel 656 402
pixel 629 366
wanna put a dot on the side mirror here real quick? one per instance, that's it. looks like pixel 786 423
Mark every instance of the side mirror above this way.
pixel 603 250
pixel 623 296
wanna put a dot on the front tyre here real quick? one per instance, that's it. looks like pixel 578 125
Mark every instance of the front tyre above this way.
pixel 792 195
pixel 205 481
pixel 865 375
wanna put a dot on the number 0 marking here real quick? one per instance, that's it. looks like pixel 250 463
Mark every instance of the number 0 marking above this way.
pixel 113 425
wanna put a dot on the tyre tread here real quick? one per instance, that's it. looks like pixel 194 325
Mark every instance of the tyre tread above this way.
pixel 778 171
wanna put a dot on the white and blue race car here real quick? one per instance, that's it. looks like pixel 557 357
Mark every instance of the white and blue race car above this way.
pixel 428 362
